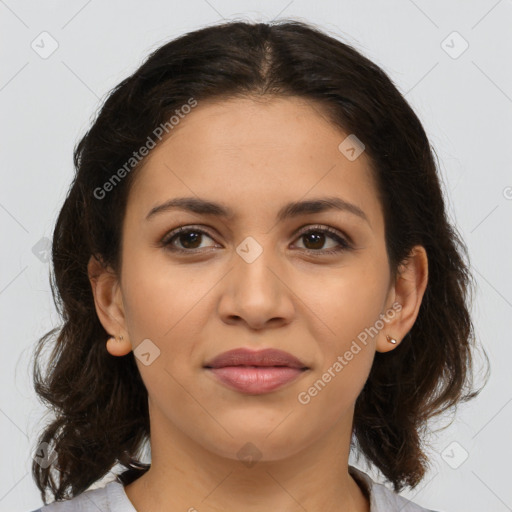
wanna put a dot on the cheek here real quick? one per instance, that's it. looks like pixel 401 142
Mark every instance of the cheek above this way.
pixel 333 389
pixel 158 296
pixel 347 307
pixel 167 304
pixel 346 349
pixel 344 303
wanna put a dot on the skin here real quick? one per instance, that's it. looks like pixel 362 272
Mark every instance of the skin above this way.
pixel 253 156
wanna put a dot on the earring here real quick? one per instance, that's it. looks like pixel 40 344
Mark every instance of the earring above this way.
pixel 116 345
pixel 391 340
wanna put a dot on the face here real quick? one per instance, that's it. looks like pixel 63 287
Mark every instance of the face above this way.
pixel 254 279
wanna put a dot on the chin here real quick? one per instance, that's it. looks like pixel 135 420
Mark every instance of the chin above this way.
pixel 252 445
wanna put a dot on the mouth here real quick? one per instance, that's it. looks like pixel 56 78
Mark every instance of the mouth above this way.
pixel 255 372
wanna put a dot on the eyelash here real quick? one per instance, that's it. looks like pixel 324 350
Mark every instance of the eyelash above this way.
pixel 167 240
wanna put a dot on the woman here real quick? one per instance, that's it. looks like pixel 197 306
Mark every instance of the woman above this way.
pixel 256 275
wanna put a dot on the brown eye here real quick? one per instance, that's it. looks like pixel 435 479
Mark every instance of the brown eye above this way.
pixel 315 238
pixel 188 239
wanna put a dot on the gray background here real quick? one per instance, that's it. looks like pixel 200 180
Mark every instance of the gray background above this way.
pixel 463 98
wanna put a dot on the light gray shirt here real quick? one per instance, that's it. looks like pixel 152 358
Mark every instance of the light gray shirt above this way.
pixel 112 498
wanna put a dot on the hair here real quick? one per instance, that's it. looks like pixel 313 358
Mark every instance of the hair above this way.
pixel 99 401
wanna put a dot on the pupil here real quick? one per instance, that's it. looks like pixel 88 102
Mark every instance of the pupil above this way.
pixel 319 240
pixel 190 237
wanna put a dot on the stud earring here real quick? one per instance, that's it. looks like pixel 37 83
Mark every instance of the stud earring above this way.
pixel 114 338
pixel 391 340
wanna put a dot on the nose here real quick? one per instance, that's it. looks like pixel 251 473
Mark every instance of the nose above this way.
pixel 256 291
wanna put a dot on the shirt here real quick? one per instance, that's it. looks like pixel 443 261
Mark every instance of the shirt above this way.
pixel 113 498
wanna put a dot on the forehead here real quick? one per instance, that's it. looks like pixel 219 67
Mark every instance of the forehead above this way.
pixel 253 154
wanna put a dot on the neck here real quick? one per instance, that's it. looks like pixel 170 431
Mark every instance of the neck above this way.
pixel 186 476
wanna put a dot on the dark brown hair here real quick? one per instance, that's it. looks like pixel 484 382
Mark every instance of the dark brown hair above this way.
pixel 100 401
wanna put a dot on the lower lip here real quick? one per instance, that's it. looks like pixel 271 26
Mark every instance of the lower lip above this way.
pixel 256 380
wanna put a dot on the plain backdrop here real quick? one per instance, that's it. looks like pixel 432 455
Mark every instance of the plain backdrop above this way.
pixel 451 60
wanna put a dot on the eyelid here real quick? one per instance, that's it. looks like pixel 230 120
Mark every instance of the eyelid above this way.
pixel 344 241
pixel 185 228
pixel 323 227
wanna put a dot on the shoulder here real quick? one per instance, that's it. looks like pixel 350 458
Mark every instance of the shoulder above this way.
pixel 110 498
pixel 381 498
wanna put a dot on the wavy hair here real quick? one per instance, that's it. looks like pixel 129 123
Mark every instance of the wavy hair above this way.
pixel 100 402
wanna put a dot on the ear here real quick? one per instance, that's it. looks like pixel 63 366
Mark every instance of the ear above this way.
pixel 109 304
pixel 408 291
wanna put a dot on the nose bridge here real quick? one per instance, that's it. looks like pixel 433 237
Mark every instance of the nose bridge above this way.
pixel 255 293
pixel 255 254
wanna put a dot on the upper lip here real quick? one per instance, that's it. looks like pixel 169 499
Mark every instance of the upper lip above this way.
pixel 247 357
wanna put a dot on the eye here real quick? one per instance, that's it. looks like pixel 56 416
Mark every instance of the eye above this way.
pixel 189 237
pixel 316 236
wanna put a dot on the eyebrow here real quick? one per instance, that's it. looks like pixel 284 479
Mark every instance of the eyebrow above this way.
pixel 294 209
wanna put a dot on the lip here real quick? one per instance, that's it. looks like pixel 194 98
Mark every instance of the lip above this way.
pixel 247 357
pixel 255 372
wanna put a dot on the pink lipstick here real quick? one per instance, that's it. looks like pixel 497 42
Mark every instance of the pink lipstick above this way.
pixel 255 372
